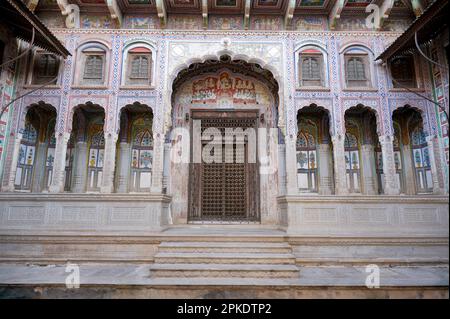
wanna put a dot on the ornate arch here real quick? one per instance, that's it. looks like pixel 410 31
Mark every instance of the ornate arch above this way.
pixel 185 62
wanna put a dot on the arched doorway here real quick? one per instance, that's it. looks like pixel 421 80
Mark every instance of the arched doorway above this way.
pixel 224 104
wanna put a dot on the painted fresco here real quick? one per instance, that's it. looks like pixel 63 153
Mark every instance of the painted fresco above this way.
pixel 267 23
pixel 351 24
pixel 225 22
pixel 311 3
pixel 96 22
pixel 140 22
pixel 223 87
pixel 226 3
pixel 310 23
pixel 193 22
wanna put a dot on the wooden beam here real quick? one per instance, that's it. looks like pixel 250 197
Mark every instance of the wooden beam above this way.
pixel 247 14
pixel 205 13
pixel 116 13
pixel 289 14
pixel 335 13
pixel 162 13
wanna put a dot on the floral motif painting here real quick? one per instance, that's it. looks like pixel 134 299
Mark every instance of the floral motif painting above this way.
pixel 225 22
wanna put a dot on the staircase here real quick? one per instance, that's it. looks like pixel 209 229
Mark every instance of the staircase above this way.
pixel 202 258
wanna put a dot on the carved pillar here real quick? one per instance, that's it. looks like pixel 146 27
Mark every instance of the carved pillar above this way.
pixel 59 165
pixel 408 170
pixel 340 179
pixel 325 169
pixel 157 165
pixel 124 168
pixel 282 168
pixel 9 187
pixel 391 185
pixel 80 169
pixel 109 163
pixel 368 169
pixel 291 166
pixel 37 180
pixel 432 147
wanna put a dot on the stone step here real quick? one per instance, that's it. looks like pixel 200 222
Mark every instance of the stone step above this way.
pixel 204 247
pixel 223 258
pixel 223 271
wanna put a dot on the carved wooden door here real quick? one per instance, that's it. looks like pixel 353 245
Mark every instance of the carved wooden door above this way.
pixel 225 190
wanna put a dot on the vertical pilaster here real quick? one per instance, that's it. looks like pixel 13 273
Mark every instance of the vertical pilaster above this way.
pixel 368 169
pixel 124 167
pixel 408 170
pixel 59 165
pixel 391 185
pixel 432 147
pixel 80 169
pixel 157 168
pixel 9 187
pixel 325 169
pixel 38 177
pixel 109 163
pixel 340 178
pixel 291 166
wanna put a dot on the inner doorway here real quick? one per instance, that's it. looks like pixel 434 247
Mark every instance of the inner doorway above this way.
pixel 225 189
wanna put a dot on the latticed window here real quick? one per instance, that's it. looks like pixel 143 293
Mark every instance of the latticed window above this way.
pixel 355 69
pixel 140 67
pixel 141 154
pixel 402 71
pixel 93 68
pixel 310 68
pixel 45 68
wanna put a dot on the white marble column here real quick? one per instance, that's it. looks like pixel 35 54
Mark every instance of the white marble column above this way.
pixel 391 185
pixel 325 169
pixel 9 187
pixel 282 169
pixel 432 147
pixel 157 165
pixel 59 165
pixel 124 167
pixel 37 180
pixel 340 173
pixel 368 170
pixel 109 163
pixel 80 168
pixel 291 166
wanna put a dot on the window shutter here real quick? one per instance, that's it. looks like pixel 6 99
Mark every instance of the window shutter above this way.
pixel 355 69
pixel 140 67
pixel 94 67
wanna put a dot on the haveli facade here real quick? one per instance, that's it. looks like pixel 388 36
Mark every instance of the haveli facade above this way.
pixel 355 149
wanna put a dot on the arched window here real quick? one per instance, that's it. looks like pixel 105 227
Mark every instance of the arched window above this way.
pixel 139 66
pixel 311 68
pixel 50 159
pixel 93 65
pixel 306 162
pixel 25 162
pixel 69 163
pixel 141 154
pixel 421 160
pixel 357 68
pixel 93 69
pixel 352 162
pixel 96 156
